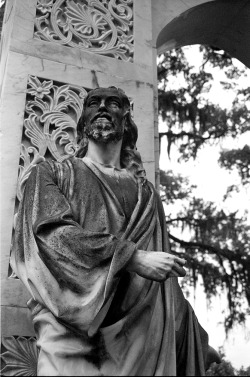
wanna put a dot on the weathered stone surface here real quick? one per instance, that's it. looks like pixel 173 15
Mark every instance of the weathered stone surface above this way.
pixel 16 321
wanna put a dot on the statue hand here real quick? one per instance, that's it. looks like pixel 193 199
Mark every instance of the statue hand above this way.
pixel 156 265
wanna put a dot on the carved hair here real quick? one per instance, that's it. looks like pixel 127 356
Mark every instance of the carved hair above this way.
pixel 130 157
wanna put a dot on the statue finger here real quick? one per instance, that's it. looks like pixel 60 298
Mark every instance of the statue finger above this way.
pixel 173 274
pixel 181 261
pixel 180 270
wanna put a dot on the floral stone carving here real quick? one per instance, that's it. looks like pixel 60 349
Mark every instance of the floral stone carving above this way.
pixel 52 113
pixel 20 356
pixel 100 26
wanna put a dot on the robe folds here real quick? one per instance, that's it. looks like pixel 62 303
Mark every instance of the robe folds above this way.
pixel 91 316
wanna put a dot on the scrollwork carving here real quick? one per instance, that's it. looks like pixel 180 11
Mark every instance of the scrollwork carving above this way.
pixel 103 27
pixel 52 112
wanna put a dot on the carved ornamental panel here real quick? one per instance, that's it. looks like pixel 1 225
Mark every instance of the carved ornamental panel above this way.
pixel 103 27
pixel 51 114
pixel 19 357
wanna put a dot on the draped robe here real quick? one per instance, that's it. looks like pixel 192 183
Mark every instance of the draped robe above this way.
pixel 91 316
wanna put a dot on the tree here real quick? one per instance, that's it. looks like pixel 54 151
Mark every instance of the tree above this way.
pixel 192 119
pixel 244 371
pixel 218 245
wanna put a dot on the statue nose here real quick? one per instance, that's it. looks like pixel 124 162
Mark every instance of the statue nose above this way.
pixel 102 105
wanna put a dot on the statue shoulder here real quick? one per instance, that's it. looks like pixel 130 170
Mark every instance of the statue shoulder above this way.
pixel 57 171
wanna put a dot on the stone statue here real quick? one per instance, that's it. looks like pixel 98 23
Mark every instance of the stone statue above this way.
pixel 92 249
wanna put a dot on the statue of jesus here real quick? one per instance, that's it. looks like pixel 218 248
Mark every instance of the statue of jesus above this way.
pixel 92 248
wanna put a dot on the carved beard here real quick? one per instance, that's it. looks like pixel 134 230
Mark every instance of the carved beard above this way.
pixel 104 130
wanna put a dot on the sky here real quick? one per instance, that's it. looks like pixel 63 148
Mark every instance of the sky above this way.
pixel 212 182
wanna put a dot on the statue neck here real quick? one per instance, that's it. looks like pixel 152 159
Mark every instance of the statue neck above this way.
pixel 106 154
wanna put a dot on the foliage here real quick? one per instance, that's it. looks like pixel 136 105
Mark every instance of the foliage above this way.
pixel 218 249
pixel 174 186
pixel 192 120
pixel 225 368
pixel 218 246
pixel 239 159
pixel 244 371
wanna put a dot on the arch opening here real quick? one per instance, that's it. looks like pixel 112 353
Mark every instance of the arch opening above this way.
pixel 223 24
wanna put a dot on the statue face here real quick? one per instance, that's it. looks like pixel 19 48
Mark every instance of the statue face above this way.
pixel 104 116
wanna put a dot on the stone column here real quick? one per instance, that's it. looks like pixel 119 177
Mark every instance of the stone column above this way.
pixel 53 52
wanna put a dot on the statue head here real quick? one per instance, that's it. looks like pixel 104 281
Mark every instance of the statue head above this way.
pixel 106 118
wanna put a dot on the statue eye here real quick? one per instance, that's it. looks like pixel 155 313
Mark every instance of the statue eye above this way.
pixel 93 103
pixel 114 103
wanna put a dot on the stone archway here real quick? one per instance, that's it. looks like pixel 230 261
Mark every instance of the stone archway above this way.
pixel 220 23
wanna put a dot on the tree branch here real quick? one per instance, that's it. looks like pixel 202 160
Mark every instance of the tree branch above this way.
pixel 183 133
pixel 213 134
pixel 187 219
pixel 225 253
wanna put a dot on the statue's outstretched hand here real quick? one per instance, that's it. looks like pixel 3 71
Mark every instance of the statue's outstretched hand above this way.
pixel 156 265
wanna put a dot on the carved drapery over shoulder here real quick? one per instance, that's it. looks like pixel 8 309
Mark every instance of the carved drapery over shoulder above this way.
pixel 51 115
pixel 100 26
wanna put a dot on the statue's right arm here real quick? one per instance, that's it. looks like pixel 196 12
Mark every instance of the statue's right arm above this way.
pixel 65 267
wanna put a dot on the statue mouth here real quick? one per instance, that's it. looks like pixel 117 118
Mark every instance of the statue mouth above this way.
pixel 103 120
pixel 102 116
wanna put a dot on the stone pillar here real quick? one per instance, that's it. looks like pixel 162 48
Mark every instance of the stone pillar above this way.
pixel 53 52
